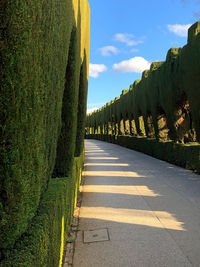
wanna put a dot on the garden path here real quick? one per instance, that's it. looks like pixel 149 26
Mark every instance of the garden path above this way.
pixel 136 211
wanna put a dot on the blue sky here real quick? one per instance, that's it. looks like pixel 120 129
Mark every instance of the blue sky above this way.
pixel 127 35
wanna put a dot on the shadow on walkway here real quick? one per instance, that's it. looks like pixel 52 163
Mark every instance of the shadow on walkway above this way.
pixel 150 208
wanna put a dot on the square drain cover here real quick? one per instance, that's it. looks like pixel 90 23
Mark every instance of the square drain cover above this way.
pixel 95 236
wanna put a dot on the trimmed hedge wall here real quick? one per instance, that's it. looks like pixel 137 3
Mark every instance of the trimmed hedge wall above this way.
pixel 64 158
pixel 81 118
pixel 184 155
pixel 42 244
pixel 44 45
pixel 163 104
pixel 159 113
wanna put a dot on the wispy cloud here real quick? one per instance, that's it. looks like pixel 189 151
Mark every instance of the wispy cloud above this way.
pixel 197 2
pixel 134 50
pixel 108 50
pixel 90 110
pixel 135 64
pixel 95 104
pixel 187 1
pixel 197 14
pixel 95 69
pixel 126 38
pixel 179 29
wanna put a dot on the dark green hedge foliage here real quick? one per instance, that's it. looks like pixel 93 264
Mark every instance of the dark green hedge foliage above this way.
pixel 64 157
pixel 34 53
pixel 40 246
pixel 41 52
pixel 81 116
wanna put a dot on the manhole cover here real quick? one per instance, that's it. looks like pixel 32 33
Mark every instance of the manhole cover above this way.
pixel 95 236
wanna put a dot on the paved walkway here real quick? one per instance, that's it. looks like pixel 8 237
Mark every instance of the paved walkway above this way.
pixel 150 209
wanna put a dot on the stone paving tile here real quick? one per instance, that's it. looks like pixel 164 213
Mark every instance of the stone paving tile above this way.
pixel 98 235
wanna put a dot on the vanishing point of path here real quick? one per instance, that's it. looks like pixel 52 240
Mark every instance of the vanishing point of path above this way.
pixel 136 211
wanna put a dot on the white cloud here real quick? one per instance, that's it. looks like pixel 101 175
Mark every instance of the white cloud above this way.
pixel 95 104
pixel 108 50
pixel 135 64
pixel 126 38
pixel 90 110
pixel 134 50
pixel 95 69
pixel 179 29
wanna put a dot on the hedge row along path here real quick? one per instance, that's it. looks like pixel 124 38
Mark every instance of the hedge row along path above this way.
pixel 163 104
pixel 44 69
pixel 150 209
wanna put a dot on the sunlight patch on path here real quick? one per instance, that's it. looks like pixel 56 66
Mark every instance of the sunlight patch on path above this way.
pixel 112 173
pixel 97 154
pixel 95 150
pixel 158 219
pixel 125 190
pixel 107 164
pixel 102 158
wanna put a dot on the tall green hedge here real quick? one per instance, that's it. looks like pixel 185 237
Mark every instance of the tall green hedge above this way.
pixel 42 49
pixel 64 158
pixel 42 244
pixel 164 103
pixel 81 115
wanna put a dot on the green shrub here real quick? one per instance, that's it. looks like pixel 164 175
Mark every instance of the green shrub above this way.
pixel 42 244
pixel 34 53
